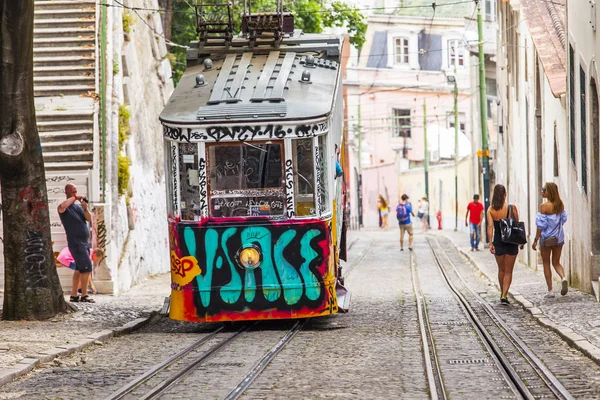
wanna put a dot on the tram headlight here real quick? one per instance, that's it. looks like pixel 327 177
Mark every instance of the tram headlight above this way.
pixel 249 257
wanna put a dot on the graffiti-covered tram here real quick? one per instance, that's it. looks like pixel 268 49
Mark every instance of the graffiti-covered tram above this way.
pixel 252 137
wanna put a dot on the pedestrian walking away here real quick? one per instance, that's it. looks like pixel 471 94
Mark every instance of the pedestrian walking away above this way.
pixel 74 215
pixel 475 209
pixel 549 221
pixel 505 253
pixel 403 212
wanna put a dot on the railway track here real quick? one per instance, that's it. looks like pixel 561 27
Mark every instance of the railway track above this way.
pixel 161 378
pixel 523 371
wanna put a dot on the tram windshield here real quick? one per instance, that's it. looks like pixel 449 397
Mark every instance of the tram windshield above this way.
pixel 246 179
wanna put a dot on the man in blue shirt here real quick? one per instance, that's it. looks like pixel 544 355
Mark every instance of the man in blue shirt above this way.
pixel 74 218
pixel 403 212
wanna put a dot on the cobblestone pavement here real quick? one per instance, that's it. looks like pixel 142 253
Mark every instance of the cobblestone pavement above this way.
pixel 575 317
pixel 35 340
pixel 374 352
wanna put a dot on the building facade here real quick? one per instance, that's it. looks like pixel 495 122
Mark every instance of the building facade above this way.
pixel 403 82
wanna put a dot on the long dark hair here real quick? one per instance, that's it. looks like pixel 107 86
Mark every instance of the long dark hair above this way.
pixel 554 197
pixel 498 197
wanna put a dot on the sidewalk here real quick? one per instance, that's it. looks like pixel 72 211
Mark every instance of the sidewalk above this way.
pixel 575 317
pixel 24 344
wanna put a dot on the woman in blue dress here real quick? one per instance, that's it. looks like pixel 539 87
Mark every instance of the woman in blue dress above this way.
pixel 551 235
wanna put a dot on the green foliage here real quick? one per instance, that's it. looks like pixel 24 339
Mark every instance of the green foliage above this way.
pixel 124 161
pixel 124 116
pixel 344 15
pixel 128 21
pixel 124 174
pixel 116 68
pixel 309 15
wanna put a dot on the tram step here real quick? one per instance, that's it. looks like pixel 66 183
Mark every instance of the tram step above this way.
pixel 343 298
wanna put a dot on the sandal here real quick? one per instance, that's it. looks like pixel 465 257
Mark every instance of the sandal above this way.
pixel 86 299
pixel 74 299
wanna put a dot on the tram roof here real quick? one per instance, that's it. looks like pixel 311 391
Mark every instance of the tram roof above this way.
pixel 259 83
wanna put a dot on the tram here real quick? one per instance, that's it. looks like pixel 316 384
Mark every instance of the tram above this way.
pixel 252 136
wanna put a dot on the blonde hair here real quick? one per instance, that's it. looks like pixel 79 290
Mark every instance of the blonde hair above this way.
pixel 554 197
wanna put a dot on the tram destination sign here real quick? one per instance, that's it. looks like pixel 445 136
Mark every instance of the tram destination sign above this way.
pixel 241 133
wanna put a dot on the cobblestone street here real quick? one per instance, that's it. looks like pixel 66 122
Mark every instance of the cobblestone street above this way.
pixel 374 352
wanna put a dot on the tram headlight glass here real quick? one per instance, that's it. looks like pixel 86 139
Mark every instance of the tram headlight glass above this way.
pixel 249 257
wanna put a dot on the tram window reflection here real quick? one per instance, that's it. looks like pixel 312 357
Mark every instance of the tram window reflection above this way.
pixel 246 179
pixel 304 179
pixel 189 182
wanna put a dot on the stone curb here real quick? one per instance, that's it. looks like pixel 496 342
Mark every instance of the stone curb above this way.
pixel 571 337
pixel 27 364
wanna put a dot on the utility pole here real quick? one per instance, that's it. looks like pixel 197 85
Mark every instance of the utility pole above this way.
pixel 360 196
pixel 455 145
pixel 485 153
pixel 426 159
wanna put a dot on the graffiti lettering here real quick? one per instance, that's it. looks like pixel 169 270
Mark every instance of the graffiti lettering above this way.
pixel 244 132
pixel 182 136
pixel 289 186
pixel 290 276
pixel 203 187
pixel 35 273
pixel 175 198
pixel 60 178
pixel 34 205
pixel 320 183
pixel 184 269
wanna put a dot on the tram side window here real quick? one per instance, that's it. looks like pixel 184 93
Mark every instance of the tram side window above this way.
pixel 246 179
pixel 304 178
pixel 189 182
pixel 322 187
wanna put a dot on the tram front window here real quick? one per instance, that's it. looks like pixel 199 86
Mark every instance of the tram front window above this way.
pixel 246 179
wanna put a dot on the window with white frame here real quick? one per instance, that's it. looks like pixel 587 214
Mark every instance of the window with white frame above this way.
pixel 401 50
pixel 401 122
pixel 456 53
pixel 489 8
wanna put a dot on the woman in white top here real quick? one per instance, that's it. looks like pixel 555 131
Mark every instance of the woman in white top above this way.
pixel 549 222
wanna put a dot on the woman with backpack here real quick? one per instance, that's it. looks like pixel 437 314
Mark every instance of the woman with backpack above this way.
pixel 549 222
pixel 505 253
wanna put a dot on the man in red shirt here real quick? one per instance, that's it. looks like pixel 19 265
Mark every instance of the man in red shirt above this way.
pixel 474 221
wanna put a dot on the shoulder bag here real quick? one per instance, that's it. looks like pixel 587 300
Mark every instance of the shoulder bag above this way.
pixel 511 230
pixel 552 240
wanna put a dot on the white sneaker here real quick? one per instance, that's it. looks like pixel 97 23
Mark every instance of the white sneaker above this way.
pixel 565 287
pixel 549 295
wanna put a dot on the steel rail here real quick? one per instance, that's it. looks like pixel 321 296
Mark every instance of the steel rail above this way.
pixel 501 359
pixel 434 374
pixel 167 383
pixel 544 373
pixel 129 387
pixel 256 370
